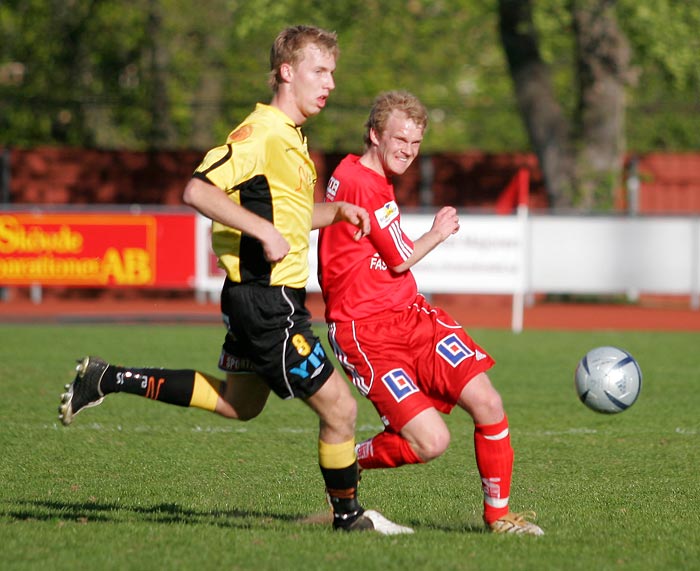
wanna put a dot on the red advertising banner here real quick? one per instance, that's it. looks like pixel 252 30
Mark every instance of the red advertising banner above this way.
pixel 97 249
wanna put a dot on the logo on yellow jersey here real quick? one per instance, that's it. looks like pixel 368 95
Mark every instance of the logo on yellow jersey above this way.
pixel 240 134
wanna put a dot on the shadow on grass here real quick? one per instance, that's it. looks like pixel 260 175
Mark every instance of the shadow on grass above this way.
pixel 91 512
pixel 86 512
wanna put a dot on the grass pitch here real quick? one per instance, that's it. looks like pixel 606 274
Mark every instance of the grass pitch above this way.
pixel 135 484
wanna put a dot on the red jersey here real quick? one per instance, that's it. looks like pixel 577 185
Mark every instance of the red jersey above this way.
pixel 355 277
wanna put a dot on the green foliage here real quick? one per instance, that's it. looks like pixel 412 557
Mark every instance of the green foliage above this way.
pixel 77 68
pixel 665 40
pixel 663 104
pixel 168 73
pixel 135 484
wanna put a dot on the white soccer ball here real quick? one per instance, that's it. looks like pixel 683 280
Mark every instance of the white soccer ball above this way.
pixel 608 380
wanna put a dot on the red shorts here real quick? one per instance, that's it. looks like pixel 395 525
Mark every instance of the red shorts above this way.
pixel 408 361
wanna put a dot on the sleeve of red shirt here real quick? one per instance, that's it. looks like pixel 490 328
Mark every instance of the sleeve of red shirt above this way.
pixel 387 236
pixel 377 197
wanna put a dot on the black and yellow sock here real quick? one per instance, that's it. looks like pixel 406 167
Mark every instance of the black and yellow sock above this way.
pixel 340 472
pixel 182 387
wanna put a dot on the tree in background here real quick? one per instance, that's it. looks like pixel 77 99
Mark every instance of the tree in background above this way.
pixel 581 160
pixel 78 73
pixel 581 144
pixel 594 77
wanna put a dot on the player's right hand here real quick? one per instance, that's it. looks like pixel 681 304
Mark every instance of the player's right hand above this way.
pixel 275 246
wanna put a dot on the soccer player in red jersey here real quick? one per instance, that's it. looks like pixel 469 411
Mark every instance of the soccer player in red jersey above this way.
pixel 411 360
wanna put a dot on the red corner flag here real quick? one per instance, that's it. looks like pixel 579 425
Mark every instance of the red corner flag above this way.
pixel 515 194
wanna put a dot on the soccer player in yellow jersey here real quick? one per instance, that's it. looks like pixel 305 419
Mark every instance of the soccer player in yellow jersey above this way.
pixel 257 189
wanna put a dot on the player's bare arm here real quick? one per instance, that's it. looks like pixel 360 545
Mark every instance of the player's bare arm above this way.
pixel 445 223
pixel 327 213
pixel 212 202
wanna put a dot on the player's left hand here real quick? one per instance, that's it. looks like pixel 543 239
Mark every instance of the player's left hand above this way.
pixel 357 216
pixel 446 222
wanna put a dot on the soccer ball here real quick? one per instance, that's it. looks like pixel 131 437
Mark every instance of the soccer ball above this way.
pixel 608 380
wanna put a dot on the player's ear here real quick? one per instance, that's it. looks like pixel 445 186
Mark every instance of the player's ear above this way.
pixel 373 136
pixel 286 72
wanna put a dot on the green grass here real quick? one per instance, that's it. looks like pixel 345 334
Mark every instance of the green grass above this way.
pixel 140 485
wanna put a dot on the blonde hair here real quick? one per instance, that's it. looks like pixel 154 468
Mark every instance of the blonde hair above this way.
pixel 389 101
pixel 289 44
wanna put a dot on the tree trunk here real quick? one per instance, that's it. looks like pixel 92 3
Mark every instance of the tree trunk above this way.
pixel 162 133
pixel 602 55
pixel 582 165
pixel 209 92
pixel 546 125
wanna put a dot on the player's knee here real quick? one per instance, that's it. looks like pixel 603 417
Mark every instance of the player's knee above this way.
pixel 430 445
pixel 482 401
pixel 345 410
pixel 336 407
pixel 243 397
pixel 242 412
pixel 492 404
pixel 248 412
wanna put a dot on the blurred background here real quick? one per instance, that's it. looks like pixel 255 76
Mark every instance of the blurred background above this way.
pixel 108 103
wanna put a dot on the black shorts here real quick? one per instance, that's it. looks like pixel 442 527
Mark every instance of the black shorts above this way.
pixel 269 333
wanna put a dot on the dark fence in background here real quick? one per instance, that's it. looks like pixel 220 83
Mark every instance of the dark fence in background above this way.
pixel 658 183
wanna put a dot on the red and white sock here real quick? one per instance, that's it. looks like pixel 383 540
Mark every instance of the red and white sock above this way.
pixel 494 459
pixel 386 450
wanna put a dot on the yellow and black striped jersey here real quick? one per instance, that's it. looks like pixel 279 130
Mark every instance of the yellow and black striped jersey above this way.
pixel 265 167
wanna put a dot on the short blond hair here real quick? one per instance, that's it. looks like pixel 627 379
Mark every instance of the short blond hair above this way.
pixel 289 44
pixel 389 101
